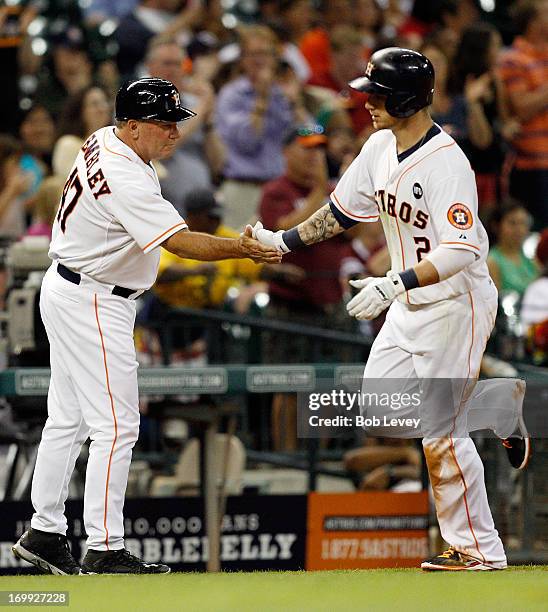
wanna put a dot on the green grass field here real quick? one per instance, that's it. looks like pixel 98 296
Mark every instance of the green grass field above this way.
pixel 520 589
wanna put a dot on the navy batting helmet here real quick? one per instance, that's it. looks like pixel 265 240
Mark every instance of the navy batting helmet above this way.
pixel 404 76
pixel 149 98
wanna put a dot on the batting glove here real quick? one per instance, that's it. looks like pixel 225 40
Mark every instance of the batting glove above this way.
pixel 268 238
pixel 375 295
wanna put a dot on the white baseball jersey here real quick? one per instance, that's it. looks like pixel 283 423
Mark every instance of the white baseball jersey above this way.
pixel 427 200
pixel 110 221
pixel 112 215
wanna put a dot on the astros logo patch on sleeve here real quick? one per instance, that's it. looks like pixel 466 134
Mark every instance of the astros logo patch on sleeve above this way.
pixel 460 216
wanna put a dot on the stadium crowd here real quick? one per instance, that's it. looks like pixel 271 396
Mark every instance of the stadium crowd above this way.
pixel 276 126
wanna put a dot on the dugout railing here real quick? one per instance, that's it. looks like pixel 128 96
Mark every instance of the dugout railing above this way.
pixel 234 338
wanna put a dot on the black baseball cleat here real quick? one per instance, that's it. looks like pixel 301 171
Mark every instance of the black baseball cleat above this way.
pixel 452 560
pixel 119 562
pixel 49 552
pixel 518 448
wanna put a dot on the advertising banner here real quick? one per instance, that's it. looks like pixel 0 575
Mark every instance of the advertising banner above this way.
pixel 257 532
pixel 366 530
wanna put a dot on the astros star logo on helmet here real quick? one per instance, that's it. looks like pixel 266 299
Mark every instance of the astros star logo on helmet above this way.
pixel 176 98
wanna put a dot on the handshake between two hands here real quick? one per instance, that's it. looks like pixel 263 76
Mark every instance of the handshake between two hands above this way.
pixel 266 237
pixel 258 247
pixel 375 295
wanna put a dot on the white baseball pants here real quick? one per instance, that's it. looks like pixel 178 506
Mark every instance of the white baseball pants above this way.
pixel 446 340
pixel 93 393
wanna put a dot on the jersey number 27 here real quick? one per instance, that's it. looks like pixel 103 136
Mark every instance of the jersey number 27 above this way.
pixel 73 182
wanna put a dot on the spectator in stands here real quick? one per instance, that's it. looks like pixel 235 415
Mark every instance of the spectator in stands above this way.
pixel 329 110
pixel 67 70
pixel 317 300
pixel 293 20
pixel 475 85
pixel 253 113
pixel 336 12
pixel 447 110
pixel 14 20
pixel 212 22
pixel 297 17
pixel 524 71
pixel 508 265
pixel 85 112
pixel 200 153
pixel 424 16
pixel 315 45
pixel 191 284
pixel 14 183
pixel 347 63
pixel 203 53
pixel 380 464
pixel 97 11
pixel 295 91
pixel 534 307
pixel 457 15
pixel 369 19
pixel 341 148
pixel 37 134
pixel 453 17
pixel 186 282
pixel 288 200
pixel 150 18
pixel 46 203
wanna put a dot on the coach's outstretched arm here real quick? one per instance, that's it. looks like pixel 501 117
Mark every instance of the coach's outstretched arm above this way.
pixel 204 247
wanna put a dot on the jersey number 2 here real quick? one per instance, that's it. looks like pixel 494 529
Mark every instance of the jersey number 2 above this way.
pixel 424 249
pixel 72 182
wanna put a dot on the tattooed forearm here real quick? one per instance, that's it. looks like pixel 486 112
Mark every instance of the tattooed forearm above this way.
pixel 319 226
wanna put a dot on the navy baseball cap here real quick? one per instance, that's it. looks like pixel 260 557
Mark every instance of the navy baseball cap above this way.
pixel 150 98
pixel 203 200
pixel 71 38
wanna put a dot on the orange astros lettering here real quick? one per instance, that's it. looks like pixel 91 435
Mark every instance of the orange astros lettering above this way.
pixel 386 202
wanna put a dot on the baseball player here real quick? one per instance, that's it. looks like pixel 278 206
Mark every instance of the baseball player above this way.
pixel 111 220
pixel 412 176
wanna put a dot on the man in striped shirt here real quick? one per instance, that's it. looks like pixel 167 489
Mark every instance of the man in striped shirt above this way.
pixel 524 71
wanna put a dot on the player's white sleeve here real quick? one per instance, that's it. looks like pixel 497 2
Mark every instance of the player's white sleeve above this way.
pixel 454 206
pixel 450 261
pixel 354 195
pixel 146 215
